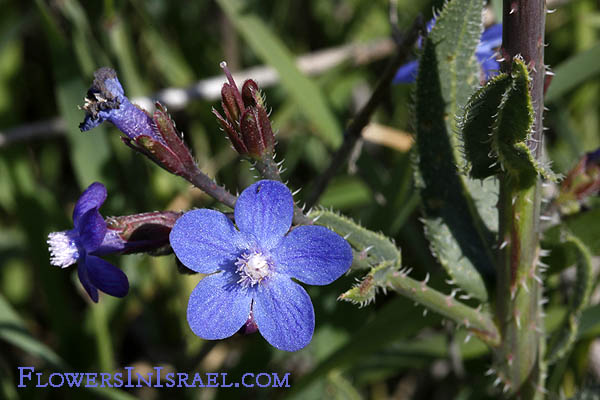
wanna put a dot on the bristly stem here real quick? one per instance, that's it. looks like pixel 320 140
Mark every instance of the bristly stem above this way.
pixel 210 187
pixel 519 357
pixel 353 132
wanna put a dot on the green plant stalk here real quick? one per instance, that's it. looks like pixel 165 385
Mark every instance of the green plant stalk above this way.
pixel 519 357
pixel 474 320
pixel 519 290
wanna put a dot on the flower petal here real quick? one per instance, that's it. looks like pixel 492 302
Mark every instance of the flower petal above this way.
pixel 106 277
pixel 92 197
pixel 265 210
pixel 92 229
pixel 82 273
pixel 313 254
pixel 218 306
pixel 284 313
pixel 206 240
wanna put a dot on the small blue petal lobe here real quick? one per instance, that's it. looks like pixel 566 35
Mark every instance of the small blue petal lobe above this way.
pixel 106 277
pixel 284 313
pixel 313 254
pixel 265 210
pixel 93 197
pixel 407 73
pixel 82 273
pixel 206 241
pixel 218 307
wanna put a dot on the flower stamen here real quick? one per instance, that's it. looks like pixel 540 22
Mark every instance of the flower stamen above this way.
pixel 63 249
pixel 252 267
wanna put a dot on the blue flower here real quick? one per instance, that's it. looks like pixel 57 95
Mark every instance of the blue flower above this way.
pixel 490 40
pixel 106 101
pixel 90 238
pixel 251 269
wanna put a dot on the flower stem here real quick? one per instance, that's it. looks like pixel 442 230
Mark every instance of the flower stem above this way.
pixel 210 187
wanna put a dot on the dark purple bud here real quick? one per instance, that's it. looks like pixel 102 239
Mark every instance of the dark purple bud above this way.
pixel 229 102
pixel 161 154
pixel 147 232
pixel 174 141
pixel 251 94
pixel 256 131
pixel 232 133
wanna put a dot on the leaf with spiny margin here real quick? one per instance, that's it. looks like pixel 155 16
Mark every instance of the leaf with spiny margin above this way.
pixel 476 127
pixel 370 248
pixel 515 115
pixel 447 76
pixel 565 338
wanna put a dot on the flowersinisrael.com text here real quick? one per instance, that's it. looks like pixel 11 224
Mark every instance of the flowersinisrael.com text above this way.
pixel 156 378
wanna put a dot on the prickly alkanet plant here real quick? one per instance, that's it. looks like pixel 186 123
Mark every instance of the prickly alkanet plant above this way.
pixel 479 169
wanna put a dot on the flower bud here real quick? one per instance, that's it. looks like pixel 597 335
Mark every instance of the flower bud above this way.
pixel 146 232
pixel 246 121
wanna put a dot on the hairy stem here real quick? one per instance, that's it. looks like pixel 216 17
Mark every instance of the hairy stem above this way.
pixel 474 320
pixel 210 187
pixel 519 358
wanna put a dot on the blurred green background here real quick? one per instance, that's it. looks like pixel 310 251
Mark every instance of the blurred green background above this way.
pixel 48 52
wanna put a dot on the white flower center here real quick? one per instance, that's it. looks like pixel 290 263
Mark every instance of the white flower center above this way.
pixel 63 249
pixel 252 267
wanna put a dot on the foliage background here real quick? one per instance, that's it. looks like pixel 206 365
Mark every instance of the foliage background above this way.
pixel 48 52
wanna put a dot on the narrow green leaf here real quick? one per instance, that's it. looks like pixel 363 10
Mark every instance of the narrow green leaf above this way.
pixel 476 126
pixel 272 51
pixel 89 152
pixel 573 72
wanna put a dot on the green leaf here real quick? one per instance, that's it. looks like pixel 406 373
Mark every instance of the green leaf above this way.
pixel 273 52
pixel 448 74
pixel 14 332
pixel 88 152
pixel 475 126
pixel 573 72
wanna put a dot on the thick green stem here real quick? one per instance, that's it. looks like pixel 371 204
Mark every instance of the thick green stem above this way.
pixel 519 358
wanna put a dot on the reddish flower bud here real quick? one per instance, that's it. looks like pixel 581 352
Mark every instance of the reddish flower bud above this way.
pixel 246 121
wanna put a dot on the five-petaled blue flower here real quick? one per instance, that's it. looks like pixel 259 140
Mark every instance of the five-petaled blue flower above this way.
pixel 252 268
pixel 90 238
pixel 490 40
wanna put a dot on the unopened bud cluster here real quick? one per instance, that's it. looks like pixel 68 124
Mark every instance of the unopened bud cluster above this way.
pixel 246 120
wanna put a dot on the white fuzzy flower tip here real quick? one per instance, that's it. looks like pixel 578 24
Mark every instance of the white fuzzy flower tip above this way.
pixel 63 249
